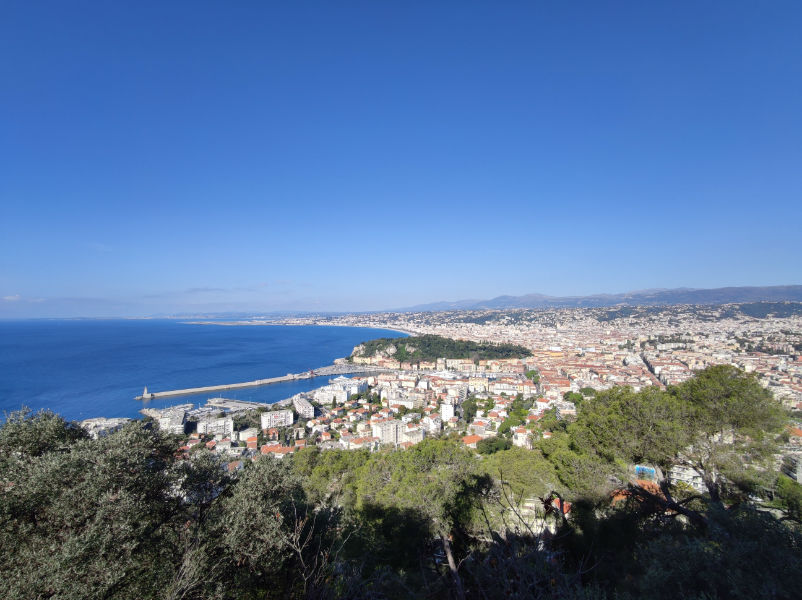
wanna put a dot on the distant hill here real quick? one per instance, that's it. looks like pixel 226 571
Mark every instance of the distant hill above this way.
pixel 431 347
pixel 726 295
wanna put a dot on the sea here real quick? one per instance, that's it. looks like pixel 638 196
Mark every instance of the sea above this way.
pixel 95 368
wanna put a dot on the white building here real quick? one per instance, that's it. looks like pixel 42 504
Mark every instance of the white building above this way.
pixel 688 476
pixel 243 435
pixel 339 390
pixel 100 427
pixel 521 438
pixel 413 435
pixel 351 386
pixel 277 418
pixel 172 420
pixel 433 423
pixel 388 432
pixel 220 426
pixel 303 407
pixel 326 395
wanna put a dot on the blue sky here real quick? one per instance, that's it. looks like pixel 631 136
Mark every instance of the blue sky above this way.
pixel 190 156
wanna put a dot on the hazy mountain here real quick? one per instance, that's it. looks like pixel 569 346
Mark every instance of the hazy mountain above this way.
pixel 724 295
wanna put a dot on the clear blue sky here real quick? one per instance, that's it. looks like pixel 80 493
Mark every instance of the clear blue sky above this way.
pixel 195 156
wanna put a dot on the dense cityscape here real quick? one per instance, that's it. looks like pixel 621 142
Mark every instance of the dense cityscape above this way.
pixel 571 353
pixel 600 347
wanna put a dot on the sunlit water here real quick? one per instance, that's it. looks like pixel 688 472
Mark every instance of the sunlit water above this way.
pixel 95 368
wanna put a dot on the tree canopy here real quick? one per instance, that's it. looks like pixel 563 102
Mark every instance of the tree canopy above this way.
pixel 431 347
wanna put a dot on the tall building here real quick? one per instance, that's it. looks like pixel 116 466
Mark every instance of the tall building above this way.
pixel 446 411
pixel 277 418
pixel 303 407
pixel 388 432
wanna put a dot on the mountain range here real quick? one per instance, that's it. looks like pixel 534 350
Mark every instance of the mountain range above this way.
pixel 725 295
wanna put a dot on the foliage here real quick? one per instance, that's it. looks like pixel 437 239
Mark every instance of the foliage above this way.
pixel 621 425
pixel 733 420
pixel 492 445
pixel 721 563
pixel 250 418
pixel 330 477
pixel 430 477
pixel 527 472
pixel 431 347
pixel 789 496
pixel 31 434
pixel 67 514
pixel 549 421
pixel 469 409
pixel 516 415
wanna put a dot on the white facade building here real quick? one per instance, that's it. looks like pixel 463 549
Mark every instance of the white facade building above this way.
pixel 277 418
pixel 303 407
pixel 446 411
pixel 220 426
pixel 388 432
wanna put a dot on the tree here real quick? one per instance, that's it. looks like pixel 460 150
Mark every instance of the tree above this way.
pixel 721 562
pixel 492 445
pixel 469 409
pixel 527 472
pixel 624 426
pixel 68 513
pixel 28 434
pixel 436 478
pixel 549 421
pixel 721 424
pixel 734 423
pixel 251 527
pixel 584 475
pixel 789 497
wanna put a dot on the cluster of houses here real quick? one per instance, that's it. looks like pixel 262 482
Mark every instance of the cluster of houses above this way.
pixel 460 365
pixel 397 409
pixel 493 411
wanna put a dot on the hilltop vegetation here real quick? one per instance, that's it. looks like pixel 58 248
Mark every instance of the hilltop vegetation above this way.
pixel 429 348
pixel 125 516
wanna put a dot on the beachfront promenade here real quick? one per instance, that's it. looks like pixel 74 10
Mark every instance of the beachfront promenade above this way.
pixel 342 369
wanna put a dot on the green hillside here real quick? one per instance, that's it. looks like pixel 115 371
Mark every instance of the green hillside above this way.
pixel 431 347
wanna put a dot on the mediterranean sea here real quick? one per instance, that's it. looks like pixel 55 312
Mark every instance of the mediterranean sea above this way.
pixel 95 368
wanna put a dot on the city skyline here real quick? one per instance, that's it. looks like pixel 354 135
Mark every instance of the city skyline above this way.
pixel 363 157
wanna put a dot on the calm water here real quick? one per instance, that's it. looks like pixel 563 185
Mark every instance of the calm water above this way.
pixel 83 369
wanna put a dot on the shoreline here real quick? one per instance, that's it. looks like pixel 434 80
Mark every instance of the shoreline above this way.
pixel 274 324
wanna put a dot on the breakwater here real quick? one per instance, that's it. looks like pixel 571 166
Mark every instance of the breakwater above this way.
pixel 321 372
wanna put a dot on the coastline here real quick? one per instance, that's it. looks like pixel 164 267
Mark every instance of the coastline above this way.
pixel 274 324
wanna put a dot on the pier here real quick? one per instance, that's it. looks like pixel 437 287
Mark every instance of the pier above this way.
pixel 339 369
